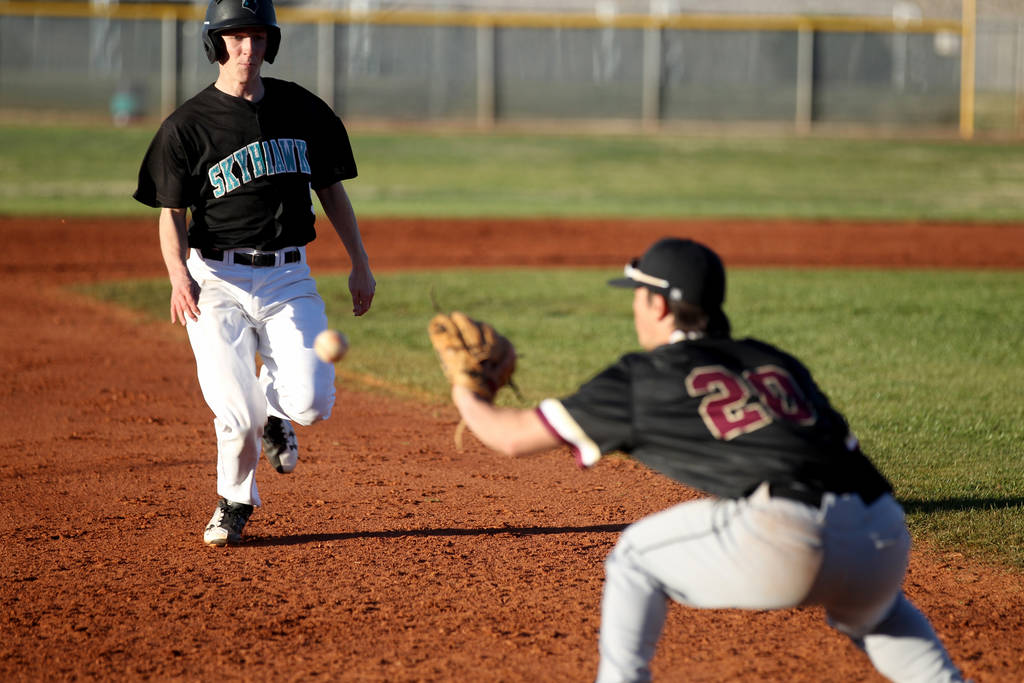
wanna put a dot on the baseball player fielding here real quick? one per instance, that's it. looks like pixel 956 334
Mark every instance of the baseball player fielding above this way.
pixel 796 513
pixel 330 346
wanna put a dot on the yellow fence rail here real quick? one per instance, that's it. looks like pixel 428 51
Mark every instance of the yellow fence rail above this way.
pixel 704 22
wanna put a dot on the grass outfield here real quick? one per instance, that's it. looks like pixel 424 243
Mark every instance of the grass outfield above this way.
pixel 925 364
pixel 46 170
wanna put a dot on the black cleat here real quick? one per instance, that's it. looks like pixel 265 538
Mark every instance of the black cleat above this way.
pixel 225 527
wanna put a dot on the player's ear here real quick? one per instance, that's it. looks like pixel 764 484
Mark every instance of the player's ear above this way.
pixel 656 301
pixel 662 305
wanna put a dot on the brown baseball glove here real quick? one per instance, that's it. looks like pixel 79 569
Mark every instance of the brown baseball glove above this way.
pixel 472 353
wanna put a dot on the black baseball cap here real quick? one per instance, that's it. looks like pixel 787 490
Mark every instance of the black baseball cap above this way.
pixel 680 270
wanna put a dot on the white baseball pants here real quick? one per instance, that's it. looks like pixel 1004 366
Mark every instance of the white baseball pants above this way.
pixel 275 311
pixel 769 553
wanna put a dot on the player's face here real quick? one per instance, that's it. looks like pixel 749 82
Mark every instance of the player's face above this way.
pixel 245 50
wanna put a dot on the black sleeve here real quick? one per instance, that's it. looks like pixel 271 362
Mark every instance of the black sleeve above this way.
pixel 331 157
pixel 603 408
pixel 163 177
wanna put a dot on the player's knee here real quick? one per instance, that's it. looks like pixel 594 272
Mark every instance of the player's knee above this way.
pixel 308 417
pixel 306 405
pixel 234 425
pixel 309 411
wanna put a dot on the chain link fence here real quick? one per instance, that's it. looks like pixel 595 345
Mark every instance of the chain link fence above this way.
pixel 478 64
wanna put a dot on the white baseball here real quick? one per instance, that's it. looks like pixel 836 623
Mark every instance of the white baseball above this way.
pixel 330 346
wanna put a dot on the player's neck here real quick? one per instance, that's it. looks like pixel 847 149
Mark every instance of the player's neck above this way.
pixel 685 335
pixel 251 90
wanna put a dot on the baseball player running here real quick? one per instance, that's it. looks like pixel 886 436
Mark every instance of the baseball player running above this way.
pixel 242 156
pixel 797 514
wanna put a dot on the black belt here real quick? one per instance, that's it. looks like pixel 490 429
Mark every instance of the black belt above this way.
pixel 813 498
pixel 260 259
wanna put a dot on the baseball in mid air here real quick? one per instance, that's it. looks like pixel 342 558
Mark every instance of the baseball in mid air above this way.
pixel 330 345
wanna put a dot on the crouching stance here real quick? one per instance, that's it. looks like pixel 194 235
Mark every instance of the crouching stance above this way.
pixel 796 515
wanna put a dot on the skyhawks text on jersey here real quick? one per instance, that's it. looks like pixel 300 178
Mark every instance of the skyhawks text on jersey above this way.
pixel 257 159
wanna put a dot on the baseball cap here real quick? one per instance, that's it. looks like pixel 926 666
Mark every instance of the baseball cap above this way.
pixel 680 270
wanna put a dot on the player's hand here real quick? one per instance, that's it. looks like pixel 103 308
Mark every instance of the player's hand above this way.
pixel 184 298
pixel 362 287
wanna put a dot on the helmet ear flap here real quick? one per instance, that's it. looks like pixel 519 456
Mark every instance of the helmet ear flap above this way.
pixel 213 44
pixel 273 44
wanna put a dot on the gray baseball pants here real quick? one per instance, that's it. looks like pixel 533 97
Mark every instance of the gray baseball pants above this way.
pixel 763 552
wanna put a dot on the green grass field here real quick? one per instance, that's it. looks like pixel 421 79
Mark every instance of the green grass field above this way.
pixel 926 364
pixel 92 170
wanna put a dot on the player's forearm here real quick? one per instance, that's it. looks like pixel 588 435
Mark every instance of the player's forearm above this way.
pixel 174 242
pixel 342 216
pixel 174 248
pixel 506 430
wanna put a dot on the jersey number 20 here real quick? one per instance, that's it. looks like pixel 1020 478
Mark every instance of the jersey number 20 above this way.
pixel 727 408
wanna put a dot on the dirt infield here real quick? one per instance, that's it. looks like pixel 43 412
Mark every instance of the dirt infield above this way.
pixel 387 555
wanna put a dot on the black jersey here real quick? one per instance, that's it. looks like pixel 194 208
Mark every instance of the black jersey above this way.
pixel 244 168
pixel 722 416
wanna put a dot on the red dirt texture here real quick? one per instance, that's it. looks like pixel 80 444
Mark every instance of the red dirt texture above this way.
pixel 388 555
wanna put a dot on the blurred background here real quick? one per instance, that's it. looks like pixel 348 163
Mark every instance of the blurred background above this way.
pixel 902 66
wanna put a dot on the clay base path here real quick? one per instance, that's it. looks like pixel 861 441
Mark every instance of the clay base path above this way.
pixel 387 555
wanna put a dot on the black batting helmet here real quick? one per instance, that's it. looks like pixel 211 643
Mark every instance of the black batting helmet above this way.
pixel 224 14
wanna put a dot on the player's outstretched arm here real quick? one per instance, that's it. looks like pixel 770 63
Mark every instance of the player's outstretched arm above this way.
pixel 510 431
pixel 338 208
pixel 174 248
